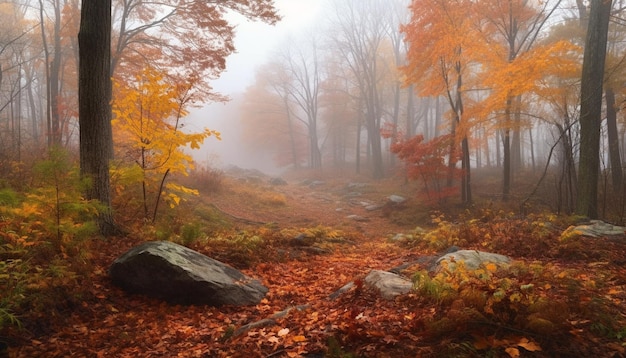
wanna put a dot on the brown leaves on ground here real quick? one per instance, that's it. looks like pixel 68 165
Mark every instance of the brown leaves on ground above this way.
pixel 559 299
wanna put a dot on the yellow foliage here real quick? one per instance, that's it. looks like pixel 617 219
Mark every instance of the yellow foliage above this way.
pixel 148 129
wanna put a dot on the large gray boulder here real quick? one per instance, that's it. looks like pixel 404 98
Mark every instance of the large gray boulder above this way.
pixel 177 274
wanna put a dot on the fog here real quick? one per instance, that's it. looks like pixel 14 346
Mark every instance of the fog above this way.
pixel 255 42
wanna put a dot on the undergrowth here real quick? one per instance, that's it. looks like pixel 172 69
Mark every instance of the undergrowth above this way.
pixel 246 248
pixel 44 242
pixel 545 296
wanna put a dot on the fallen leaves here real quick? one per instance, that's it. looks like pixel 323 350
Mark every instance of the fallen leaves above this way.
pixel 109 322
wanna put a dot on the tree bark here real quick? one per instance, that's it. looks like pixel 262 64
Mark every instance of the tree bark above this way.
pixel 54 79
pixel 591 107
pixel 614 155
pixel 94 97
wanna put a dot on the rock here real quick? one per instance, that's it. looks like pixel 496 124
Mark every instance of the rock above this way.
pixel 357 218
pixel 373 207
pixel 397 199
pixel 471 258
pixel 277 181
pixel 356 185
pixel 598 228
pixel 389 284
pixel 399 237
pixel 303 240
pixel 177 274
pixel 316 183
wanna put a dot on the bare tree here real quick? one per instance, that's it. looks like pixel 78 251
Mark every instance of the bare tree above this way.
pixel 303 68
pixel 358 31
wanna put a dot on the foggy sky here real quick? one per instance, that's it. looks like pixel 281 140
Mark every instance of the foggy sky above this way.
pixel 254 41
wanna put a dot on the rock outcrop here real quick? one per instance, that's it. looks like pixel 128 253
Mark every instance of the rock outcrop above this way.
pixel 472 259
pixel 178 274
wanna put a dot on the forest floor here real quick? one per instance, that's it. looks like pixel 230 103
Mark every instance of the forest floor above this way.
pixel 564 300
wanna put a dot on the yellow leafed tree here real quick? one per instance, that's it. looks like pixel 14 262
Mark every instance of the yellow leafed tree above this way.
pixel 149 142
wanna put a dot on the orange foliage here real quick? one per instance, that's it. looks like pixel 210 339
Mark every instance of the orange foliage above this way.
pixel 185 39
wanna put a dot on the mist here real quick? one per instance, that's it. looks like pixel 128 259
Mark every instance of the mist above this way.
pixel 232 150
pixel 255 43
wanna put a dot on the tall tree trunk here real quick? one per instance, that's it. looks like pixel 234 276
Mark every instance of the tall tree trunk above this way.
pixel 516 140
pixel 358 143
pixel 466 189
pixel 506 150
pixel 395 119
pixel 591 107
pixel 531 144
pixel 292 138
pixel 94 104
pixel 55 74
pixel 614 155
pixel 410 112
pixel 373 130
pixel 46 51
pixel 32 108
pixel 438 115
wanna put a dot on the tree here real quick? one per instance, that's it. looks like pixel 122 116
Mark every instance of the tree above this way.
pixel 359 31
pixel 302 89
pixel 338 111
pixel 268 101
pixel 96 64
pixel 439 36
pixel 94 97
pixel 591 107
pixel 191 39
pixel 425 160
pixel 148 122
pixel 510 29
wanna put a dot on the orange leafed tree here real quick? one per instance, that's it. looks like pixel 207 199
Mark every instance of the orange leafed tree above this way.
pixel 185 39
pixel 442 43
pixel 513 63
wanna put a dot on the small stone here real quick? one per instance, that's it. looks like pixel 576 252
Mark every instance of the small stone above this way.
pixel 357 218
pixel 397 199
pixel 389 284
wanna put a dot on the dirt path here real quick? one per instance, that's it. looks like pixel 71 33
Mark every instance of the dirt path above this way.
pixel 335 203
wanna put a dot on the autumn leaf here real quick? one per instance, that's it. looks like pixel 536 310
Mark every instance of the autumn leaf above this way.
pixel 491 267
pixel 512 352
pixel 529 345
pixel 283 332
pixel 480 342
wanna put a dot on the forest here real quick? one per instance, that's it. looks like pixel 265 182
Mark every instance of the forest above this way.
pixel 406 133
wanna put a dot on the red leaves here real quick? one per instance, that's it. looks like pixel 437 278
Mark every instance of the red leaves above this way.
pixel 426 161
